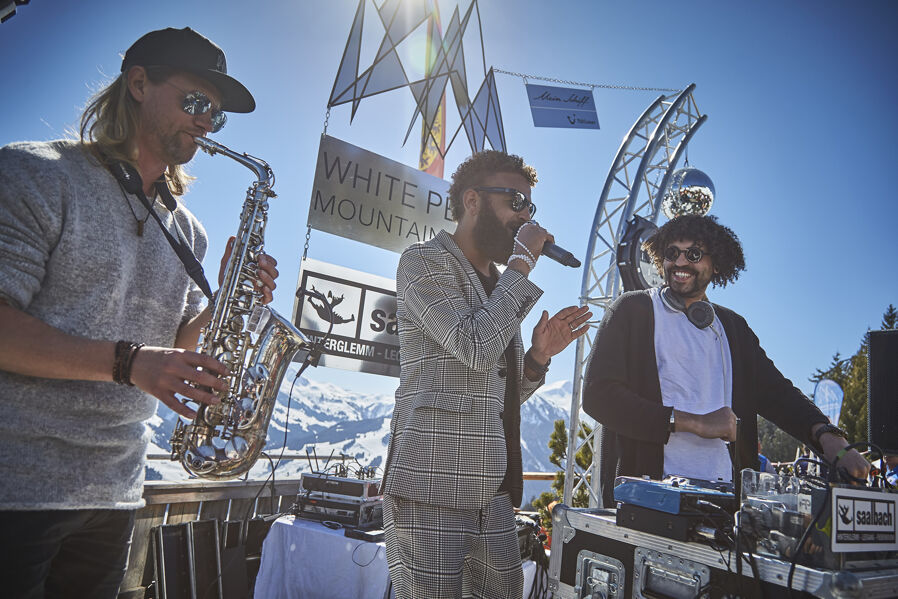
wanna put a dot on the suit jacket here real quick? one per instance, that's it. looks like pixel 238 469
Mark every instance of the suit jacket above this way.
pixel 622 392
pixel 447 445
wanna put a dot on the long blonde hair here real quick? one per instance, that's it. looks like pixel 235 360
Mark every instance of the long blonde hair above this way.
pixel 109 124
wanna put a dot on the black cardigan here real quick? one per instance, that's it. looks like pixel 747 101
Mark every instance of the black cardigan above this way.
pixel 622 392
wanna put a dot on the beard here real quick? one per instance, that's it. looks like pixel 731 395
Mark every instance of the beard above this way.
pixel 693 288
pixel 493 238
pixel 176 147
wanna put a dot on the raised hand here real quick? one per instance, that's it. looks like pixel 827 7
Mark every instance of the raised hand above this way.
pixel 532 237
pixel 551 335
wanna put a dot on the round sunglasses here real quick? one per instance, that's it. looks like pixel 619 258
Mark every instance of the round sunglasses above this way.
pixel 693 254
pixel 196 103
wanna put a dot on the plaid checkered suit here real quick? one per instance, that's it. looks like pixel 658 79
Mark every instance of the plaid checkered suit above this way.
pixel 447 446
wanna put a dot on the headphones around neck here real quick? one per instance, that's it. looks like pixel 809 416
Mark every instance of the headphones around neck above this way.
pixel 130 180
pixel 699 313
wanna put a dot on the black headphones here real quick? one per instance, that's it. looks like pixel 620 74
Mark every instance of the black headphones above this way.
pixel 130 180
pixel 699 313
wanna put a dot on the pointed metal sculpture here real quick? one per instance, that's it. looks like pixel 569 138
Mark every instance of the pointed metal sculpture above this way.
pixel 480 118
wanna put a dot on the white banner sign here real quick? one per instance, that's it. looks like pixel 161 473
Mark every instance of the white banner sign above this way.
pixel 864 520
pixel 360 314
pixel 363 196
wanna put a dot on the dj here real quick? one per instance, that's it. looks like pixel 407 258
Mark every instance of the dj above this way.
pixel 670 373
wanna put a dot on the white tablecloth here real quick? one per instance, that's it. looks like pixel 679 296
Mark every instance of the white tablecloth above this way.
pixel 303 559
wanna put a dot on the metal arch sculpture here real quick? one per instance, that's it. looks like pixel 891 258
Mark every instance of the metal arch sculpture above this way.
pixel 635 184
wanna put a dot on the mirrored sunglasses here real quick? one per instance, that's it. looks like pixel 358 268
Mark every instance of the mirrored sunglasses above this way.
pixel 693 254
pixel 518 200
pixel 196 103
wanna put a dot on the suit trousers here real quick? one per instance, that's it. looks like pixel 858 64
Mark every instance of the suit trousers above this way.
pixel 444 553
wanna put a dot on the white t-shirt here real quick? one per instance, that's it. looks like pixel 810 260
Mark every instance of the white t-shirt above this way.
pixel 695 371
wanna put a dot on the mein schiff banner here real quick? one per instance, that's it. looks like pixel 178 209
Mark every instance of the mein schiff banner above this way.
pixel 564 107
pixel 363 196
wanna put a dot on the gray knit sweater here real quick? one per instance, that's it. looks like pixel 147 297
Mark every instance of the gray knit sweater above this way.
pixel 70 256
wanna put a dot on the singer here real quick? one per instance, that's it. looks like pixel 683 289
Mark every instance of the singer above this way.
pixel 453 471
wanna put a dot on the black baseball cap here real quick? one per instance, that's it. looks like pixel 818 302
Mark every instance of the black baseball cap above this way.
pixel 187 50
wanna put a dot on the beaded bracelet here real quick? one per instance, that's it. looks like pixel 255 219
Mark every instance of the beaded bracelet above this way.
pixel 523 259
pixel 525 248
pixel 518 242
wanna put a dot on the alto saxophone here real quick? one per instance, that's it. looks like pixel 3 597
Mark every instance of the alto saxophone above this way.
pixel 256 344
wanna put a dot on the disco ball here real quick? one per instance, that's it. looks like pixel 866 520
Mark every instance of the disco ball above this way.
pixel 690 191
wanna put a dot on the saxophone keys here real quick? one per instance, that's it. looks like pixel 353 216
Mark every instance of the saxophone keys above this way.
pixel 236 448
pixel 254 380
pixel 235 323
pixel 227 358
pixel 231 343
pixel 247 413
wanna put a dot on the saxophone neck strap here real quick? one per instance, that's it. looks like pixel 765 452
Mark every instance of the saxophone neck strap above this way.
pixel 130 181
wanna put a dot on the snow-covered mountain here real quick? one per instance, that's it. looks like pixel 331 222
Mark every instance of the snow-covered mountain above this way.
pixel 327 420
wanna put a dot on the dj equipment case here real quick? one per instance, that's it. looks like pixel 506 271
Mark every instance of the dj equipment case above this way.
pixel 349 511
pixel 593 557
pixel 318 482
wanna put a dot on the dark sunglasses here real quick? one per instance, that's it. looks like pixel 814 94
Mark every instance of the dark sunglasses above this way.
pixel 518 200
pixel 693 254
pixel 197 102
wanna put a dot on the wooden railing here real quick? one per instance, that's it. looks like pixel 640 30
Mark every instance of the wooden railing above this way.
pixel 179 502
pixel 200 500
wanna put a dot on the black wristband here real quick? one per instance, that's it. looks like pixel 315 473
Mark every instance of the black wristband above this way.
pixel 118 364
pixel 124 359
pixel 828 428
pixel 126 372
pixel 532 364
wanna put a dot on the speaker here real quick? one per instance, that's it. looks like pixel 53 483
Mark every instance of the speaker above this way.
pixel 882 390
pixel 187 561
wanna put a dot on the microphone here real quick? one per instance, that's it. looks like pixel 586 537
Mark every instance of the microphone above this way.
pixel 560 255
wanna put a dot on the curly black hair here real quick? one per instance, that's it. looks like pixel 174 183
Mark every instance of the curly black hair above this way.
pixel 717 240
pixel 475 169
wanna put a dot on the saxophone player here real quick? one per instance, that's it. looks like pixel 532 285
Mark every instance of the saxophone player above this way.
pixel 98 316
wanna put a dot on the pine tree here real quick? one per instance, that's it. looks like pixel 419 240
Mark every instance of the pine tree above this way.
pixel 837 371
pixel 558 444
pixel 853 419
pixel 851 374
pixel 890 318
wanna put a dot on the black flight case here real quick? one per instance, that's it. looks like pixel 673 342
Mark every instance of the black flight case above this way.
pixel 593 557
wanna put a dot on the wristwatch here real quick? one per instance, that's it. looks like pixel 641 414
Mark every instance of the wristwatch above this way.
pixel 672 427
pixel 828 428
pixel 531 363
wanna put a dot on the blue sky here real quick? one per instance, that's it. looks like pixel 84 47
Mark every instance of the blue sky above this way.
pixel 799 142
